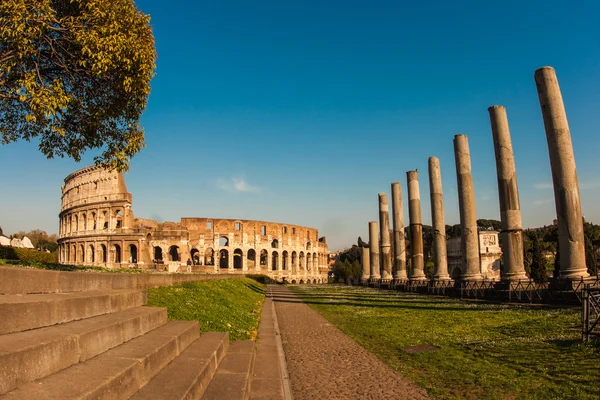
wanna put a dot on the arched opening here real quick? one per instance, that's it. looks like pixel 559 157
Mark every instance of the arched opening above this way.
pixel 76 223
pixel 195 255
pixel 275 244
pixel 293 281
pixel 82 252
pixel 118 219
pixel 174 253
pixel 158 256
pixel 237 259
pixel 223 258
pixel 274 260
pixel 294 261
pixel 301 261
pixel 92 254
pixel 264 259
pixel 223 241
pixel 301 281
pixel 75 254
pixel 284 260
pixel 251 258
pixel 308 261
pixel 209 256
pixel 117 250
pixel 315 262
pixel 93 221
pixel 84 220
pixel 133 254
pixel 68 253
pixel 308 245
pixel 104 255
pixel 314 281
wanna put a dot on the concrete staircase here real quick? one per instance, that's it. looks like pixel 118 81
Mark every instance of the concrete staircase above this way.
pixel 67 335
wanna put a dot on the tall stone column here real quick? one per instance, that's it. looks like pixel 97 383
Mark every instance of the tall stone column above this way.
pixel 399 270
pixel 508 193
pixel 384 228
pixel 374 247
pixel 440 272
pixel 416 226
pixel 564 176
pixel 468 216
pixel 366 263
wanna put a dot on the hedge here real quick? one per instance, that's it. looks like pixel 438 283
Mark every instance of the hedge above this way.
pixel 27 255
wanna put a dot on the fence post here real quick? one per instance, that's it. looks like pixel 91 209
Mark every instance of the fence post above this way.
pixel 585 310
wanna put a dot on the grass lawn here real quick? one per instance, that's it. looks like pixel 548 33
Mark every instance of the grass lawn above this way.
pixel 224 305
pixel 487 351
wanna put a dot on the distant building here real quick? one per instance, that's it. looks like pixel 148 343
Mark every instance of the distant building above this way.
pixel 490 256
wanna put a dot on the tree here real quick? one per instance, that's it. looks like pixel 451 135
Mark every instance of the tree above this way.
pixel 538 261
pixel 75 75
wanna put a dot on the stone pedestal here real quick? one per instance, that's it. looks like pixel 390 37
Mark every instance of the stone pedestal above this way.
pixel 416 227
pixel 384 229
pixel 564 176
pixel 374 250
pixel 440 272
pixel 466 203
pixel 399 267
pixel 508 193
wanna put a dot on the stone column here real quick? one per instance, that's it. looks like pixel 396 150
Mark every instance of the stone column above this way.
pixel 384 228
pixel 471 269
pixel 374 247
pixel 366 263
pixel 416 226
pixel 508 193
pixel 439 226
pixel 564 176
pixel 399 270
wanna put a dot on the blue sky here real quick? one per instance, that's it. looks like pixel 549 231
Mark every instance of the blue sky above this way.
pixel 301 112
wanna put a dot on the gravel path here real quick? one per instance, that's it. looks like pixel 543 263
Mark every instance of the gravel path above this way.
pixel 324 363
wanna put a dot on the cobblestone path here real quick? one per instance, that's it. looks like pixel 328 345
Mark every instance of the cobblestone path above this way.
pixel 324 363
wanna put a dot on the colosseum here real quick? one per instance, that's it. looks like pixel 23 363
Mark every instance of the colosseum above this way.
pixel 98 228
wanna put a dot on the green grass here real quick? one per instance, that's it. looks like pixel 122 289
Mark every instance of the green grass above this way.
pixel 61 267
pixel 487 351
pixel 224 305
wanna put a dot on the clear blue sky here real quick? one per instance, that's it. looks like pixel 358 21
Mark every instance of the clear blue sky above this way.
pixel 301 112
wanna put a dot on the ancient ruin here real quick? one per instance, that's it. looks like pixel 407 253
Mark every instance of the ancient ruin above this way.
pixel 475 260
pixel 564 176
pixel 384 228
pixel 416 226
pixel 508 195
pixel 374 251
pixel 97 227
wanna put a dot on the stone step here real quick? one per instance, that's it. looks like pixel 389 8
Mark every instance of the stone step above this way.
pixel 232 379
pixel 34 354
pixel 187 376
pixel 21 313
pixel 20 280
pixel 117 373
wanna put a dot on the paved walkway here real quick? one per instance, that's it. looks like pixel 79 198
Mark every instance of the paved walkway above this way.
pixel 324 363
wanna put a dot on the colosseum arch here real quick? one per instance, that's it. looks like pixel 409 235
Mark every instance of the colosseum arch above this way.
pixel 251 259
pixel 82 252
pixel 264 259
pixel 91 215
pixel 285 260
pixel 174 253
pixel 223 258
pixel 238 258
pixel 209 256
pixel 195 256
pixel 117 254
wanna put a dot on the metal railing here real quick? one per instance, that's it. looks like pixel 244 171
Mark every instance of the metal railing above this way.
pixel 590 312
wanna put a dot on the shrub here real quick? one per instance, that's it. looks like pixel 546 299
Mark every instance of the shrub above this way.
pixel 27 255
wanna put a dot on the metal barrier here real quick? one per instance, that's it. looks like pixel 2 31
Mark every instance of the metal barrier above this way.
pixel 590 311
